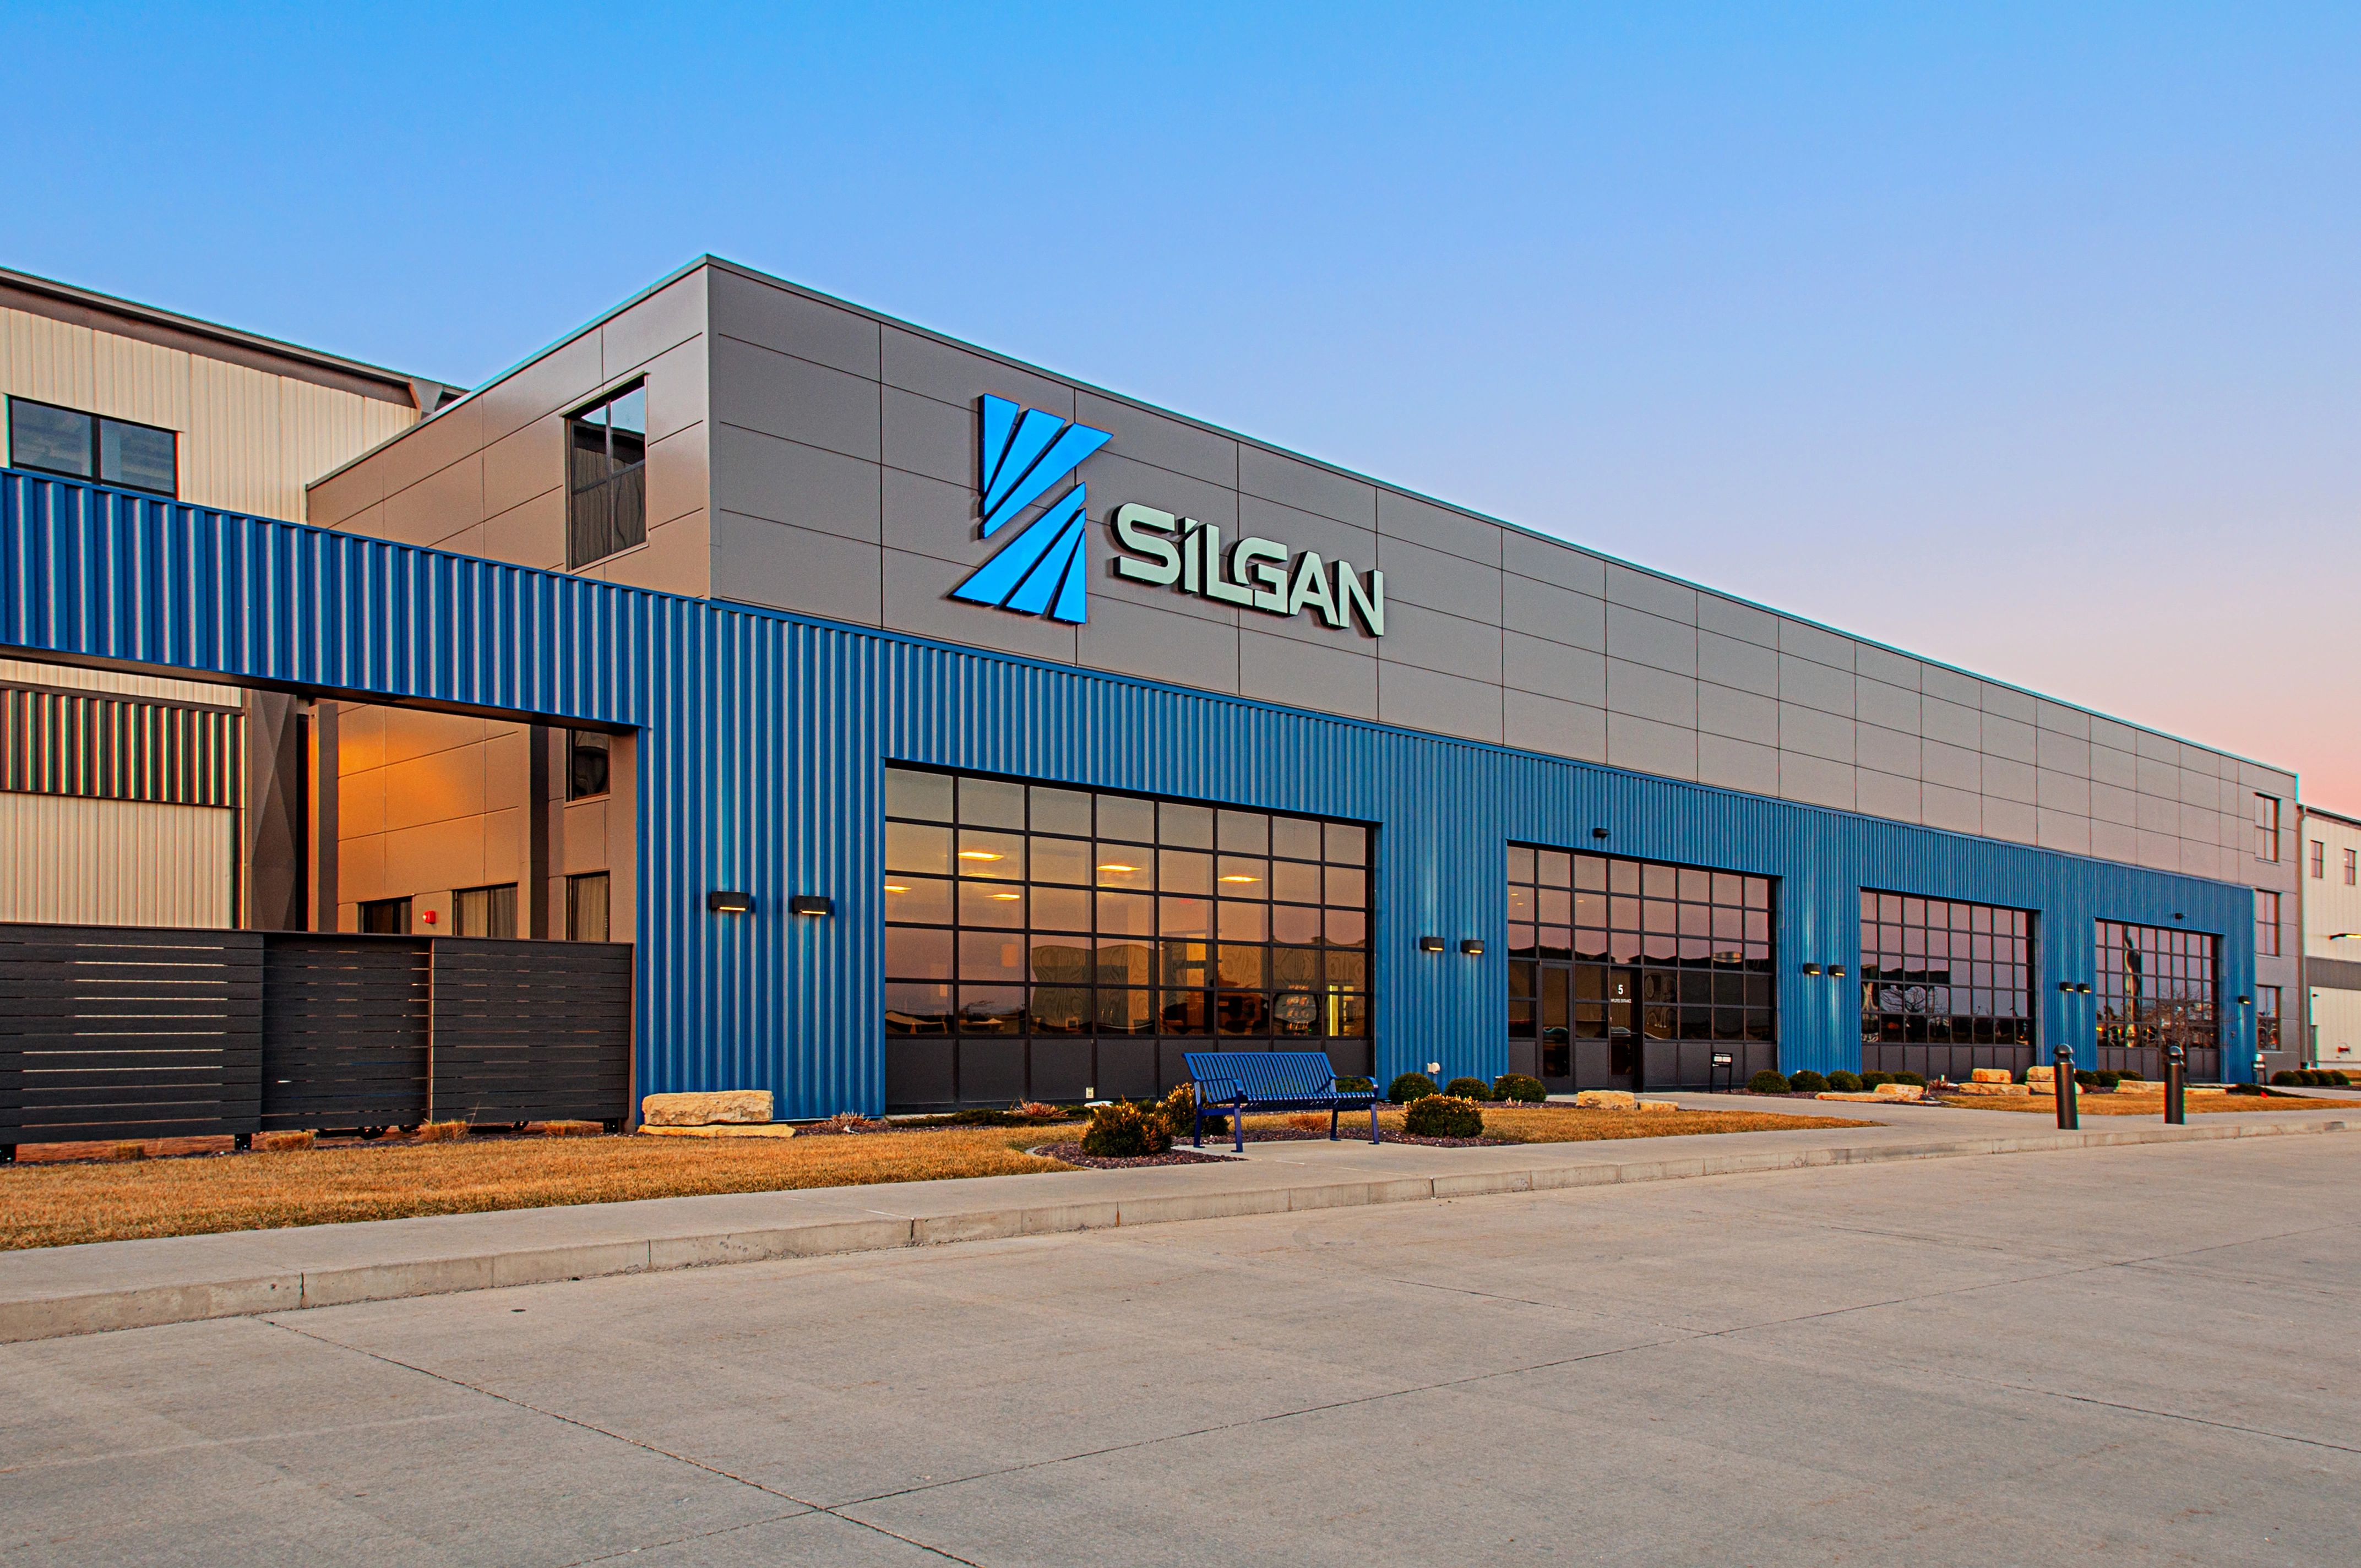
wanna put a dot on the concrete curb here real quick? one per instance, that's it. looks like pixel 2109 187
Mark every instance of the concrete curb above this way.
pixel 49 1317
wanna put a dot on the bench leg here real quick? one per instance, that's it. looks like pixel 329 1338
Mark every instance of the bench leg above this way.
pixel 1199 1140
pixel 1239 1125
pixel 1332 1114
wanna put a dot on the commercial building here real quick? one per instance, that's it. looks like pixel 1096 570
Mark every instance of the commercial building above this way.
pixel 136 798
pixel 2331 859
pixel 943 730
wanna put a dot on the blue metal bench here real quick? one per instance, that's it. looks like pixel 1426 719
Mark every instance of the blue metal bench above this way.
pixel 1231 1083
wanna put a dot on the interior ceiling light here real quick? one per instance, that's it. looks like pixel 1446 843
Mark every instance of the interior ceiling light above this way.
pixel 896 887
pixel 977 855
pixel 1226 878
pixel 1006 897
pixel 1114 868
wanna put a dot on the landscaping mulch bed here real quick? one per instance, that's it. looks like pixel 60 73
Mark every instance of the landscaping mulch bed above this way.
pixel 1072 1154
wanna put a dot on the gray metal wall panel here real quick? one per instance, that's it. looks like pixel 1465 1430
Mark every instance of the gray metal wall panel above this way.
pixel 763 737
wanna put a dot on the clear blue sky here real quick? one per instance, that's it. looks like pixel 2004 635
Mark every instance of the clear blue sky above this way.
pixel 2021 337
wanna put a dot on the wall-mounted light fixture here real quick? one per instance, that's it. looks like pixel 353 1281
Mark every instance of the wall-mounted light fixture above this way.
pixel 1836 971
pixel 1811 968
pixel 1430 944
pixel 1473 947
pixel 1598 832
pixel 810 903
pixel 2246 1001
pixel 2084 988
pixel 2067 986
pixel 731 903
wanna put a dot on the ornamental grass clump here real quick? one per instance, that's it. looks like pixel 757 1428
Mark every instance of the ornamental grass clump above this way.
pixel 1408 1087
pixel 1517 1087
pixel 1766 1082
pixel 1468 1088
pixel 1125 1131
pixel 1443 1117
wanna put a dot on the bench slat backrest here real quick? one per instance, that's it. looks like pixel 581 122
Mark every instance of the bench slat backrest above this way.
pixel 1263 1075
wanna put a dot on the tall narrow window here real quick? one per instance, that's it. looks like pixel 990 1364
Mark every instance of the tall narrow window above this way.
pixel 53 439
pixel 484 910
pixel 2352 867
pixel 586 765
pixel 386 917
pixel 2267 827
pixel 2267 1017
pixel 585 907
pixel 607 476
pixel 2267 923
pixel 2319 860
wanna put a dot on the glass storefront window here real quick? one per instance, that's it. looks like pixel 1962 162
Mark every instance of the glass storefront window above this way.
pixel 2156 988
pixel 1940 971
pixel 1030 910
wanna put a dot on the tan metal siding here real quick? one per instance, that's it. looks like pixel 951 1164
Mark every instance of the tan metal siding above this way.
pixel 250 441
pixel 111 862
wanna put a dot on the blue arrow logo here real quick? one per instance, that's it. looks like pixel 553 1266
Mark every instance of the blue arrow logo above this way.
pixel 1044 570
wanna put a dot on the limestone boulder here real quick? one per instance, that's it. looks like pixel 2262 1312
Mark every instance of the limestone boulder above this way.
pixel 1607 1100
pixel 1992 1090
pixel 740 1106
pixel 1899 1091
pixel 1991 1075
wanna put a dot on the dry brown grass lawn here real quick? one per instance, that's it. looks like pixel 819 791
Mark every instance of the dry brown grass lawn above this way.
pixel 2109 1104
pixel 57 1204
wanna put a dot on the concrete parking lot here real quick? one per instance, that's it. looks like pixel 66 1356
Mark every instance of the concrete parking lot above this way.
pixel 2129 1355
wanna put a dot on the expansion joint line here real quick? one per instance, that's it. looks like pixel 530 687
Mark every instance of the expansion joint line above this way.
pixel 804 1504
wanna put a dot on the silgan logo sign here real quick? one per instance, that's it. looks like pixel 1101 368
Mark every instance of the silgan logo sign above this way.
pixel 1045 568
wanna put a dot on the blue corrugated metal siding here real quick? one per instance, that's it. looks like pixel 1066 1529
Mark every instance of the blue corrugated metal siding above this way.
pixel 763 738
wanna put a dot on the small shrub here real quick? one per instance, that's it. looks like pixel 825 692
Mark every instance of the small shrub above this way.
pixel 1918 1078
pixel 1844 1082
pixel 1766 1082
pixel 1179 1110
pixel 2285 1079
pixel 2246 1089
pixel 1410 1086
pixel 2108 1079
pixel 2339 1078
pixel 280 1142
pixel 1349 1084
pixel 1468 1088
pixel 1516 1086
pixel 1806 1082
pixel 1035 1111
pixel 1443 1116
pixel 428 1133
pixel 1871 1080
pixel 127 1151
pixel 2086 1078
pixel 2128 1076
pixel 1125 1131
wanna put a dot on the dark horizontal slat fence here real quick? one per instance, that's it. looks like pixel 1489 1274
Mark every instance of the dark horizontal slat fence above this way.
pixel 532 1031
pixel 113 1032
pixel 345 1031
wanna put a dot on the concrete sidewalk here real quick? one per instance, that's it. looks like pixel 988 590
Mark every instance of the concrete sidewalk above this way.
pixel 53 1291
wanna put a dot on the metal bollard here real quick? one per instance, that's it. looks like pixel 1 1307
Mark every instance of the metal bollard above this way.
pixel 2175 1074
pixel 2069 1114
